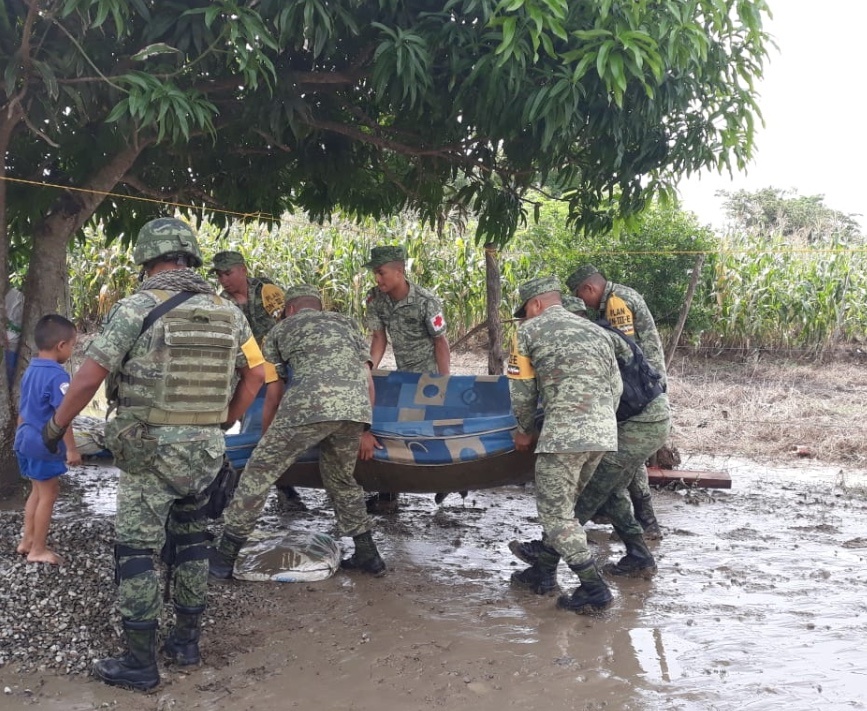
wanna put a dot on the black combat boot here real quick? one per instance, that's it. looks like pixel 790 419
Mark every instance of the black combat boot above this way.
pixel 528 551
pixel 638 561
pixel 221 558
pixel 137 669
pixel 541 577
pixel 182 645
pixel 592 595
pixel 366 557
pixel 645 515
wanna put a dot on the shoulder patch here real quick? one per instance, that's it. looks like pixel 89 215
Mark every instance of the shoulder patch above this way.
pixel 438 322
pixel 619 315
pixel 272 298
pixel 519 366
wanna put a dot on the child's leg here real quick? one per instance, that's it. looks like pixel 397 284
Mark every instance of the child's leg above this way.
pixel 47 493
pixel 29 511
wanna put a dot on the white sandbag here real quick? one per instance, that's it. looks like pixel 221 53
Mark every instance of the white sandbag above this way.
pixel 274 557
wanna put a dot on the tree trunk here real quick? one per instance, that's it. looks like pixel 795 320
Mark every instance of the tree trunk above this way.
pixel 45 287
pixel 494 290
pixel 684 311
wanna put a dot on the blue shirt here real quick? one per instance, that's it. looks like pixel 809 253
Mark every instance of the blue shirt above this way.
pixel 43 386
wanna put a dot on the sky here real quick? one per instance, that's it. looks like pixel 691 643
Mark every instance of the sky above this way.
pixel 813 98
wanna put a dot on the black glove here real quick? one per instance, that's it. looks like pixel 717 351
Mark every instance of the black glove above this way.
pixel 52 433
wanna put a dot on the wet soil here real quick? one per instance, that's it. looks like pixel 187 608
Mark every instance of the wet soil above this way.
pixel 759 603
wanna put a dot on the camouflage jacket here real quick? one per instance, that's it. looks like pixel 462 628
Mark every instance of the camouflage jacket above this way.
pixel 569 364
pixel 120 345
pixel 329 359
pixel 635 320
pixel 263 299
pixel 412 323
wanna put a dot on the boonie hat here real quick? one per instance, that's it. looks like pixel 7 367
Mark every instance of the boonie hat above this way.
pixel 579 276
pixel 384 255
pixel 299 290
pixel 226 260
pixel 534 287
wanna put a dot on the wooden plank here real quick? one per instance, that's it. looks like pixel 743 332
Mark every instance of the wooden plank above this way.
pixel 707 480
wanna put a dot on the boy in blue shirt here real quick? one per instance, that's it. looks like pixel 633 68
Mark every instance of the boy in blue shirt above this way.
pixel 43 386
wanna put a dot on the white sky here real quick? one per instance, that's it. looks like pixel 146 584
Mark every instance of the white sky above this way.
pixel 813 99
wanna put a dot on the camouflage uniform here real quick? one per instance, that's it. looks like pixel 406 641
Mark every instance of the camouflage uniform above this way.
pixel 642 329
pixel 162 464
pixel 569 363
pixel 412 323
pixel 258 315
pixel 327 403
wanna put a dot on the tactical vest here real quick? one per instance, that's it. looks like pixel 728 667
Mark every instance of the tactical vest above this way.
pixel 186 376
pixel 641 381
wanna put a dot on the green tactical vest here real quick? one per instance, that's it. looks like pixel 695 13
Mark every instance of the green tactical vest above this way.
pixel 186 377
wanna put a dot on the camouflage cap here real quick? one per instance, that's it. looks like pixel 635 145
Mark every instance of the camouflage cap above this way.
pixel 384 255
pixel 579 276
pixel 574 304
pixel 535 287
pixel 226 260
pixel 300 290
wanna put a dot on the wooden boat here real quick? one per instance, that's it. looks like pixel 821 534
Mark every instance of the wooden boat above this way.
pixel 439 434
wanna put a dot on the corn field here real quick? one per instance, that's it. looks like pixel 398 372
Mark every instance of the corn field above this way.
pixel 754 292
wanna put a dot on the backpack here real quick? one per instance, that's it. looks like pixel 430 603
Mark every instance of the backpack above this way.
pixel 641 381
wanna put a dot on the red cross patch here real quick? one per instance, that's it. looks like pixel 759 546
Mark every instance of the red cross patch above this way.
pixel 438 321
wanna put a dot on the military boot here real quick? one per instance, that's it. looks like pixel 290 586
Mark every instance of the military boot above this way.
pixel 182 645
pixel 541 577
pixel 221 558
pixel 592 595
pixel 645 515
pixel 137 669
pixel 528 551
pixel 366 557
pixel 638 561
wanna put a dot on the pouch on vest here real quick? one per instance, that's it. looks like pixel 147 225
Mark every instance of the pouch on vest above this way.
pixel 641 381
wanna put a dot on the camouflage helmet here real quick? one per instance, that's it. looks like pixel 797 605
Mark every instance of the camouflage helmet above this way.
pixel 166 235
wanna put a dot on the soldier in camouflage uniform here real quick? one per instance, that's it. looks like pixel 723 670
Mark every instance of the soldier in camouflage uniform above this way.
pixel 172 350
pixel 626 310
pixel 412 317
pixel 261 301
pixel 605 495
pixel 327 403
pixel 569 365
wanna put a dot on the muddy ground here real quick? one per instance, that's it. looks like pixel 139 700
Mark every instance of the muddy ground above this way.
pixel 759 602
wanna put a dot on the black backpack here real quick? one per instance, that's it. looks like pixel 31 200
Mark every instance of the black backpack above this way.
pixel 641 381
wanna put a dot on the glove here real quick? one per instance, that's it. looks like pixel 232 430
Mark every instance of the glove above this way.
pixel 52 433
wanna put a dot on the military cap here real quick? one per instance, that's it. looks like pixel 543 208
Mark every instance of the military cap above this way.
pixel 300 290
pixel 384 255
pixel 226 260
pixel 574 304
pixel 579 276
pixel 535 287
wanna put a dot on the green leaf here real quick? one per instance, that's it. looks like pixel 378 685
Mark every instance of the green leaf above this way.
pixel 154 49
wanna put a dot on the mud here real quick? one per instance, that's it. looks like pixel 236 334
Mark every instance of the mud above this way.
pixel 759 604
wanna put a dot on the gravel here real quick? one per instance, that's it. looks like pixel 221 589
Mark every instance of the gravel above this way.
pixel 62 618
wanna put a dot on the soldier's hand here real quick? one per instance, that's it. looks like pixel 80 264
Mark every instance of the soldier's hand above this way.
pixel 367 445
pixel 523 441
pixel 52 433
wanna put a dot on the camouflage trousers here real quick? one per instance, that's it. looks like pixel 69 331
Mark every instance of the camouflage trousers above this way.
pixel 278 449
pixel 608 491
pixel 164 472
pixel 559 480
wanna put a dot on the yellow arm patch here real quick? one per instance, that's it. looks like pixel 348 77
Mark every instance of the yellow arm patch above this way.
pixel 272 298
pixel 252 353
pixel 519 366
pixel 270 373
pixel 619 315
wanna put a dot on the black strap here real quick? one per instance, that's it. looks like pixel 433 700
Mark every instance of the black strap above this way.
pixel 165 306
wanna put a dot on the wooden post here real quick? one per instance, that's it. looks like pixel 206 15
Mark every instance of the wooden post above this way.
pixel 494 294
pixel 684 311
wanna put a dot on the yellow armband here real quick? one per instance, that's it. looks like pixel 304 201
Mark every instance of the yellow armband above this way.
pixel 519 367
pixel 252 353
pixel 272 298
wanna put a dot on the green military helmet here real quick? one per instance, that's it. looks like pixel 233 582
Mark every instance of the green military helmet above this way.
pixel 166 235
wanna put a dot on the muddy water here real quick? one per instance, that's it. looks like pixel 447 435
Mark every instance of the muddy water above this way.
pixel 760 603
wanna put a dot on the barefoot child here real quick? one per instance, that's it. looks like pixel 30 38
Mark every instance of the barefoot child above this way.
pixel 42 388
